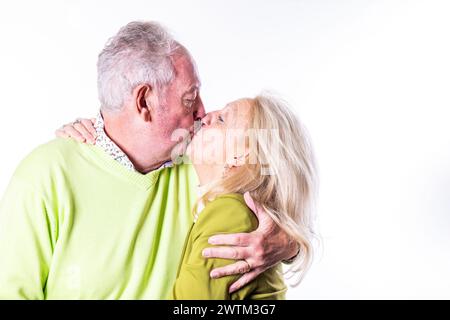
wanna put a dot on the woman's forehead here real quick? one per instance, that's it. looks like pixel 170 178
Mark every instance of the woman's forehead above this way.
pixel 238 112
pixel 240 106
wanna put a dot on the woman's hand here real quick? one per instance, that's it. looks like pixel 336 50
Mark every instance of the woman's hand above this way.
pixel 82 130
pixel 256 251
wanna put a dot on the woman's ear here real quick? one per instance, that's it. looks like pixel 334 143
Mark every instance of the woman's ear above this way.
pixel 240 160
pixel 142 96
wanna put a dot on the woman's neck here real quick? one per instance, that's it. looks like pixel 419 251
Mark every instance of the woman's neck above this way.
pixel 208 173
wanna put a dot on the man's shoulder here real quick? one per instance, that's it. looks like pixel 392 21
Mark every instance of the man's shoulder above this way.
pixel 47 156
pixel 53 150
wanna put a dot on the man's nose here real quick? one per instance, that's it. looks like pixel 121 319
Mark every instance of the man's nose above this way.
pixel 201 113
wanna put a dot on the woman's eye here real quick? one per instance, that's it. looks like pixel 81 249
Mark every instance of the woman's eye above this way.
pixel 220 119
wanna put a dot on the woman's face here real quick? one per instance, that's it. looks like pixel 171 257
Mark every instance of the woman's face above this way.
pixel 222 137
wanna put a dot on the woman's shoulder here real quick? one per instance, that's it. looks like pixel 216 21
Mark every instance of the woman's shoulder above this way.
pixel 227 213
pixel 230 198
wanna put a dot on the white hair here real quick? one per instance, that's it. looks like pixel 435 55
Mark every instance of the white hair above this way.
pixel 141 52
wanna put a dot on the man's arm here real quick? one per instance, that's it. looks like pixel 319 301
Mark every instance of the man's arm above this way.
pixel 262 248
pixel 26 244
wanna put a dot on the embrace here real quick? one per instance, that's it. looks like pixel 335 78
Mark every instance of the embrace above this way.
pixel 154 198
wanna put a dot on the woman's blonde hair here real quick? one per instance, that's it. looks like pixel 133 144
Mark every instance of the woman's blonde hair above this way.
pixel 280 174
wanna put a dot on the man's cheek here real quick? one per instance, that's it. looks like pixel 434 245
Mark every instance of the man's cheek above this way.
pixel 186 123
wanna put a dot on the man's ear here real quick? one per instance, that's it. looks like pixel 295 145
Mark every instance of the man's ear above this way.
pixel 142 96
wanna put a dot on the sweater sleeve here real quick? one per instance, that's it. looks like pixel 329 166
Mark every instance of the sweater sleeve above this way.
pixel 226 214
pixel 26 244
pixel 223 215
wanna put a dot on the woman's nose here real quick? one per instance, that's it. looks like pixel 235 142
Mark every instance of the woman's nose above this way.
pixel 206 121
pixel 209 118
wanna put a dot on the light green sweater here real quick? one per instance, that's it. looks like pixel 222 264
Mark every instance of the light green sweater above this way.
pixel 76 224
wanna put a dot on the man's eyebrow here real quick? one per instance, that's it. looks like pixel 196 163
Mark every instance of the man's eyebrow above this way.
pixel 192 88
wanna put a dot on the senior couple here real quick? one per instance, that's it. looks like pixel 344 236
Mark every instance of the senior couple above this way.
pixel 111 209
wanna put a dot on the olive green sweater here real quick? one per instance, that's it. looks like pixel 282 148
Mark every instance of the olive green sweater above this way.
pixel 225 214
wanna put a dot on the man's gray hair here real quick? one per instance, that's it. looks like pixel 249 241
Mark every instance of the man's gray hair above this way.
pixel 141 52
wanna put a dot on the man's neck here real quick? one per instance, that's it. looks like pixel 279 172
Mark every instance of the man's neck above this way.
pixel 144 156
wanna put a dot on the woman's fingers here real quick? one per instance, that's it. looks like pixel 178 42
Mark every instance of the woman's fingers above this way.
pixel 82 130
pixel 60 133
pixel 239 267
pixel 89 125
pixel 71 132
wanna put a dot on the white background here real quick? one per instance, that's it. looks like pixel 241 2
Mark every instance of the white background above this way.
pixel 370 79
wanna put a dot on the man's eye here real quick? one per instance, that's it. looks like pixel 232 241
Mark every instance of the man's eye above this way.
pixel 188 103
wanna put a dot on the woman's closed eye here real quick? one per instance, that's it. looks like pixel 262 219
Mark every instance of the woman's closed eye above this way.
pixel 220 119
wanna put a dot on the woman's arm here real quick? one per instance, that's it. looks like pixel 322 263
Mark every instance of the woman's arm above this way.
pixel 226 214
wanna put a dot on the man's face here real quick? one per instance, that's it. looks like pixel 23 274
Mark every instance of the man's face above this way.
pixel 181 105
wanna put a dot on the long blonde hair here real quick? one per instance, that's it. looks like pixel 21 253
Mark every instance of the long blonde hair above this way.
pixel 280 175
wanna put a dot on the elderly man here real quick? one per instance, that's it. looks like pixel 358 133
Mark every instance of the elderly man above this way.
pixel 109 221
